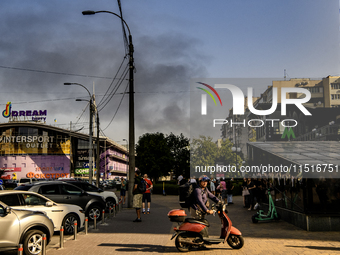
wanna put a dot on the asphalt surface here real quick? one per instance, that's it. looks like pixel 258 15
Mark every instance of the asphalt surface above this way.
pixel 120 235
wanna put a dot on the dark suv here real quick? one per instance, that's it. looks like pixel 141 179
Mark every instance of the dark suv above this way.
pixel 65 193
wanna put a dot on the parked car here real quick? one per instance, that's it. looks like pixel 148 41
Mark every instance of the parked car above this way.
pixel 117 180
pixel 23 227
pixel 109 196
pixel 65 193
pixel 61 214
pixel 24 181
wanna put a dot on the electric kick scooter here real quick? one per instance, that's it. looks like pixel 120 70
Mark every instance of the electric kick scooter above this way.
pixel 272 213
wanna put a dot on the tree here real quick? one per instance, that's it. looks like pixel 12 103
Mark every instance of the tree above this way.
pixel 180 150
pixel 204 153
pixel 153 155
pixel 228 157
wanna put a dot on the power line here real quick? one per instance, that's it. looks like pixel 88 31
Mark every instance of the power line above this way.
pixel 51 72
pixel 121 100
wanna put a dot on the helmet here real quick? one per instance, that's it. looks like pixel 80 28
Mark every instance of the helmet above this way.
pixel 204 178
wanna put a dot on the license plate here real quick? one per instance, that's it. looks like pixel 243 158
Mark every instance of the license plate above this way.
pixel 174 234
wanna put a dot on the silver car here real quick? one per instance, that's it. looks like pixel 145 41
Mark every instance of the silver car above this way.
pixel 23 227
pixel 61 214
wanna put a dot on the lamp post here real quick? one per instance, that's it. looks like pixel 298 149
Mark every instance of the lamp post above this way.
pixel 131 107
pixel 127 147
pixel 235 149
pixel 90 131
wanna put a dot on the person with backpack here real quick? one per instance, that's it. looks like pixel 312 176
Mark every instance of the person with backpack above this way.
pixel 138 190
pixel 200 204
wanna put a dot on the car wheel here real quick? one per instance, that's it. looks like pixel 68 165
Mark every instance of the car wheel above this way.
pixel 33 242
pixel 94 210
pixel 68 223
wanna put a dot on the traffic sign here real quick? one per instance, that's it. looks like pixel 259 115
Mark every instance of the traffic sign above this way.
pixel 1 182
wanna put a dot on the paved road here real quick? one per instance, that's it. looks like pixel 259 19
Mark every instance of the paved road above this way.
pixel 152 235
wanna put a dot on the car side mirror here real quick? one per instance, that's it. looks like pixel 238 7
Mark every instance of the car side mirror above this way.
pixel 49 204
pixel 8 210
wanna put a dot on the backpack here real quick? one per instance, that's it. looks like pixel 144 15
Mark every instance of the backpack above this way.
pixel 186 194
pixel 142 186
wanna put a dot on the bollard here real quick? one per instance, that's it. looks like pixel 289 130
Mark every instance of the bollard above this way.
pixel 103 217
pixel 44 242
pixel 114 210
pixel 61 237
pixel 86 225
pixel 120 204
pixel 95 221
pixel 75 224
pixel 20 249
pixel 110 213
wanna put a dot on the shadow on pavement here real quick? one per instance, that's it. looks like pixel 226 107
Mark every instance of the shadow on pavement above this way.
pixel 321 248
pixel 149 248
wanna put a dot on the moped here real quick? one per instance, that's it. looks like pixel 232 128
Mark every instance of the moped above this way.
pixel 192 233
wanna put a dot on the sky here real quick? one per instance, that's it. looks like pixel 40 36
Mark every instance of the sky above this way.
pixel 44 44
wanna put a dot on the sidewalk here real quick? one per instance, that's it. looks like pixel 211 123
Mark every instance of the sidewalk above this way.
pixel 152 235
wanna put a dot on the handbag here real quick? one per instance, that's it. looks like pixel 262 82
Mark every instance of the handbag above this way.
pixel 245 192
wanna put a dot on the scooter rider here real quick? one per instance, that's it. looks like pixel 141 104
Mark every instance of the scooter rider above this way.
pixel 200 204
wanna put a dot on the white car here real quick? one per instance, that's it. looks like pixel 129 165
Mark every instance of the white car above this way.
pixel 61 214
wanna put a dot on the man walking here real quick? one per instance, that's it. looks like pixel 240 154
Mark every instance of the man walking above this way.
pixel 147 194
pixel 123 190
pixel 137 196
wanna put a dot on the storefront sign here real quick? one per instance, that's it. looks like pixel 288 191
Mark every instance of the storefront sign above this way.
pixel 35 114
pixel 47 175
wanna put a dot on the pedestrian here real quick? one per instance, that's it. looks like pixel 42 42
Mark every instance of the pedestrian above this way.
pixel 230 188
pixel 179 179
pixel 137 196
pixel 147 194
pixel 244 192
pixel 251 188
pixel 212 185
pixel 223 188
pixel 123 190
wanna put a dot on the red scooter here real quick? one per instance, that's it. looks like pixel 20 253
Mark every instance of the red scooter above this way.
pixel 191 233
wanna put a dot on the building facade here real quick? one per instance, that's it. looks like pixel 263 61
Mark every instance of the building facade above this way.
pixel 36 150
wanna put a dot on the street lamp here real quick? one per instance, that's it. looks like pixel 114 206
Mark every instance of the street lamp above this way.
pixel 235 149
pixel 90 131
pixel 131 107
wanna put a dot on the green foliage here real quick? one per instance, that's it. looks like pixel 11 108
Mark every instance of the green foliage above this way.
pixel 158 154
pixel 180 151
pixel 153 155
pixel 204 152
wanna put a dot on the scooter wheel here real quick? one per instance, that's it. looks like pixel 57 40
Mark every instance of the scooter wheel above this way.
pixel 181 246
pixel 253 218
pixel 235 242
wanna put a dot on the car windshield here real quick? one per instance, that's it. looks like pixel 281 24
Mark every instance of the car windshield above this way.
pixel 89 187
pixel 22 187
